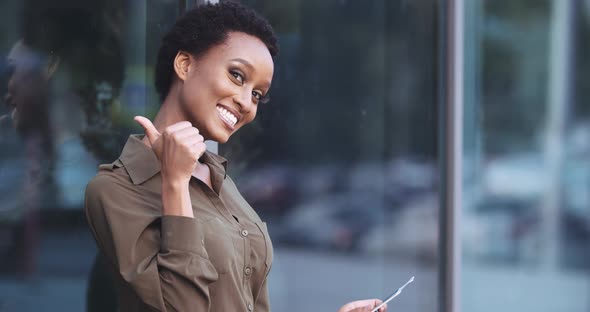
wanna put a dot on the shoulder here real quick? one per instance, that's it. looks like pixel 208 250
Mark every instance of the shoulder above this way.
pixel 112 191
pixel 111 179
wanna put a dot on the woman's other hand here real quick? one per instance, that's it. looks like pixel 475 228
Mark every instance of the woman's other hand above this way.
pixel 362 306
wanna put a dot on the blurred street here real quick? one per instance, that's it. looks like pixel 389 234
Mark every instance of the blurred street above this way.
pixel 325 280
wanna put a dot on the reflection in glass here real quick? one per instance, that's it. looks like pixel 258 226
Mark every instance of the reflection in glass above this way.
pixel 525 218
pixel 66 70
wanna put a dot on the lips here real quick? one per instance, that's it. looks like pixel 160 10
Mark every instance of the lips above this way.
pixel 229 116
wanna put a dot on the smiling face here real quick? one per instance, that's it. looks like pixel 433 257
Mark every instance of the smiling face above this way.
pixel 219 91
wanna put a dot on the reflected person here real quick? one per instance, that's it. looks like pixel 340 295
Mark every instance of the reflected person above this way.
pixel 171 223
pixel 68 49
pixel 27 103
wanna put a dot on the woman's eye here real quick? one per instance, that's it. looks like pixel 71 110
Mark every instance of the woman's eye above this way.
pixel 238 76
pixel 257 95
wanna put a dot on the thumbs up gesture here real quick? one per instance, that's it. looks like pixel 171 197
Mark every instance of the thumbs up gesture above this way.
pixel 178 148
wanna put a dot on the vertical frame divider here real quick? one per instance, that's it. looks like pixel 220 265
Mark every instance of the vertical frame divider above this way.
pixel 451 153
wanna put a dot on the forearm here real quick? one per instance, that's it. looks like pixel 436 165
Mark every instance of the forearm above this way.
pixel 184 272
pixel 165 263
pixel 176 200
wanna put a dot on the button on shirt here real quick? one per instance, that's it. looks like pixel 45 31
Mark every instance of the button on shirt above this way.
pixel 217 261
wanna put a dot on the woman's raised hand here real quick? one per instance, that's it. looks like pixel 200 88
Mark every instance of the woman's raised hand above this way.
pixel 178 148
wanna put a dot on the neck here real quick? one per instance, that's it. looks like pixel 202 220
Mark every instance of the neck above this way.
pixel 170 113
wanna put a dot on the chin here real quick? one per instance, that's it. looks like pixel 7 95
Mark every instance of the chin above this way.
pixel 223 135
pixel 222 141
pixel 220 138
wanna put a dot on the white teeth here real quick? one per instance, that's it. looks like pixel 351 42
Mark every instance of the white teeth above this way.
pixel 227 116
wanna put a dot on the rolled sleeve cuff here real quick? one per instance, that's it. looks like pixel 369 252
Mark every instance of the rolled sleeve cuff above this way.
pixel 183 234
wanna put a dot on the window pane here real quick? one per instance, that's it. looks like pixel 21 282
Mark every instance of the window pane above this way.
pixel 73 73
pixel 526 204
pixel 342 162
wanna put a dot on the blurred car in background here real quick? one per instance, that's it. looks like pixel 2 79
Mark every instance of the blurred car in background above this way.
pixel 412 232
pixel 334 221
pixel 270 190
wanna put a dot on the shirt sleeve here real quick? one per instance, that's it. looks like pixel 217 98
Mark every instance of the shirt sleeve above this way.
pixel 163 259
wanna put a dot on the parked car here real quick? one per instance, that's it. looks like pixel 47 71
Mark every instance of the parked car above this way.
pixel 411 233
pixel 334 221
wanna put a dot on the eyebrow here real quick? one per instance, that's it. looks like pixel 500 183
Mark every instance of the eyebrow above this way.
pixel 251 67
pixel 243 61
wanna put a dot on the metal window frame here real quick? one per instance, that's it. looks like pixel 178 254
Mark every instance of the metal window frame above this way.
pixel 451 88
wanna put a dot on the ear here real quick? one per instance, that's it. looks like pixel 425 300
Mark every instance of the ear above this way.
pixel 52 65
pixel 182 63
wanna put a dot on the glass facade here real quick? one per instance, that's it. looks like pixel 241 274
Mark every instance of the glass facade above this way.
pixel 526 179
pixel 74 73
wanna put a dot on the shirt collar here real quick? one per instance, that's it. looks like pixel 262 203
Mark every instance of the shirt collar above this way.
pixel 142 164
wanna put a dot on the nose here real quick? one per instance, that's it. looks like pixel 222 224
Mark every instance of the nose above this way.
pixel 244 101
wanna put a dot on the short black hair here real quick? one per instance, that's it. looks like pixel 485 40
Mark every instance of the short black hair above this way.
pixel 204 27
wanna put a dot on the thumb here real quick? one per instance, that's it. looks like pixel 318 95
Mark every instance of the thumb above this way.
pixel 150 130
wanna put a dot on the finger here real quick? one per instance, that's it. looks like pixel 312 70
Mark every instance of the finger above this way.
pixel 177 127
pixel 194 140
pixel 148 127
pixel 186 133
pixel 377 302
pixel 198 149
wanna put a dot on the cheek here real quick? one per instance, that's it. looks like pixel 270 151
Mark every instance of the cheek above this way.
pixel 223 88
pixel 194 95
pixel 252 115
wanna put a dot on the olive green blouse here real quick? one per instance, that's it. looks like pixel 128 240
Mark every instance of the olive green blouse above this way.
pixel 217 261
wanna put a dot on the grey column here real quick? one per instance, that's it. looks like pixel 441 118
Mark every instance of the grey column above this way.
pixel 451 155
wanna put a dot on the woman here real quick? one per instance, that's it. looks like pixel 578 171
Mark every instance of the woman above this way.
pixel 176 232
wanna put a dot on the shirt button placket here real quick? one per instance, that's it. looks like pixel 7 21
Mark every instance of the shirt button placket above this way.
pixel 250 308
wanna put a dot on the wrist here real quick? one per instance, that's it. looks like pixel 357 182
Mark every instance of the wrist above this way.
pixel 176 198
pixel 174 184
